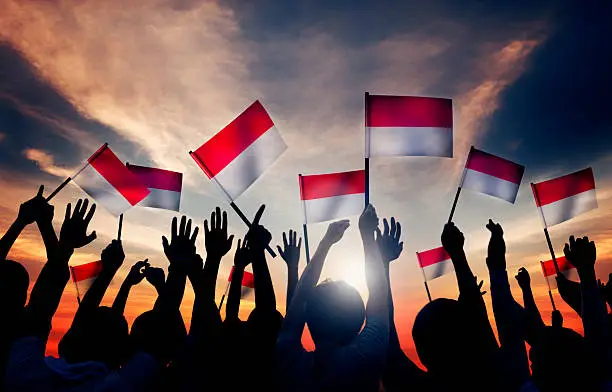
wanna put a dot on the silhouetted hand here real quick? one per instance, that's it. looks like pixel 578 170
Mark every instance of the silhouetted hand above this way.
pixel 74 229
pixel 606 289
pixel 389 241
pixel 242 257
pixel 335 231
pixel 155 276
pixel 452 239
pixel 581 253
pixel 368 221
pixel 258 236
pixel 216 240
pixel 113 256
pixel 523 278
pixel 497 246
pixel 557 319
pixel 181 251
pixel 36 209
pixel 137 272
pixel 292 248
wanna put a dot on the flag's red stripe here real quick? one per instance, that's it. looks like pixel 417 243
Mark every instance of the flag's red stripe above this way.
pixel 432 256
pixel 86 271
pixel 114 171
pixel 248 279
pixel 403 111
pixel 495 166
pixel 318 186
pixel 156 178
pixel 232 140
pixel 548 267
pixel 566 186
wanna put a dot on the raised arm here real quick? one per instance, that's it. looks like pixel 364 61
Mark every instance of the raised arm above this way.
pixel 533 318
pixel 134 277
pixel 258 238
pixel 112 259
pixel 156 277
pixel 34 210
pixel 218 243
pixel 290 252
pixel 49 286
pixel 507 313
pixel 570 293
pixel 242 258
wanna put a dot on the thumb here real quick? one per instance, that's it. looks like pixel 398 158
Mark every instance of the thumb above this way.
pixel 40 191
pixel 89 239
pixel 280 251
pixel 165 243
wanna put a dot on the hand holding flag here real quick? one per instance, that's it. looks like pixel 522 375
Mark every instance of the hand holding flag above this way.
pixel 137 272
pixel 113 256
pixel 258 236
pixel 452 239
pixel 582 254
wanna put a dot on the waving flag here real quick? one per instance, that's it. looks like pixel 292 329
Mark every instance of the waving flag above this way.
pixel 563 198
pixel 165 187
pixel 248 282
pixel 492 175
pixel 109 182
pixel 408 126
pixel 333 195
pixel 434 262
pixel 240 153
pixel 83 275
pixel 565 267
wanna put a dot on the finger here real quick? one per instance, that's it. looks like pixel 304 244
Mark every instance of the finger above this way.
pixel 174 230
pixel 239 241
pixel 572 241
pixel 218 216
pixel 285 244
pixel 84 208
pixel 299 245
pixel 206 230
pixel 77 208
pixel 398 232
pixel 245 242
pixel 566 251
pixel 89 239
pixel 378 233
pixel 40 191
pixel 393 227
pixel 258 214
pixel 68 211
pixel 188 228
pixel 230 239
pixel 213 220
pixel 224 222
pixel 385 227
pixel 181 231
pixel 401 246
pixel 280 251
pixel 165 243
pixel 90 214
pixel 194 236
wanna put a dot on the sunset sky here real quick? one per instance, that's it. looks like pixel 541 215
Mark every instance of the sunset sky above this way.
pixel 530 81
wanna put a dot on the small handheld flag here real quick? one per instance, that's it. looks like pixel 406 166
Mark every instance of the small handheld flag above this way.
pixel 83 276
pixel 434 263
pixel 165 187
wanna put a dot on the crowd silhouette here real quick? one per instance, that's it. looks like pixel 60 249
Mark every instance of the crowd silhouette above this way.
pixel 356 345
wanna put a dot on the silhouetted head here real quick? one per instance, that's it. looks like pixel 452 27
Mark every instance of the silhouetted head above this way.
pixel 100 335
pixel 158 334
pixel 444 338
pixel 14 280
pixel 264 325
pixel 558 350
pixel 334 313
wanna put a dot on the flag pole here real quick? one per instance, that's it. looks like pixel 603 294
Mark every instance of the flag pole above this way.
pixel 450 218
pixel 548 241
pixel 232 204
pixel 76 286
pixel 224 294
pixel 424 278
pixel 68 179
pixel 120 227
pixel 552 301
pixel 305 225
pixel 367 155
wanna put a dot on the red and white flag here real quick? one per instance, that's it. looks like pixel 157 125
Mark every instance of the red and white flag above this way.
pixel 165 187
pixel 248 282
pixel 106 179
pixel 563 198
pixel 333 195
pixel 238 154
pixel 408 126
pixel 492 175
pixel 565 267
pixel 83 275
pixel 435 263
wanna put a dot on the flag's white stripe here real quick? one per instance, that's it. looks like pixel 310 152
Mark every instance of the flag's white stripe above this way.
pixel 571 274
pixel 567 208
pixel 490 185
pixel 236 177
pixel 409 141
pixel 436 270
pixel 84 285
pixel 161 198
pixel 328 208
pixel 102 191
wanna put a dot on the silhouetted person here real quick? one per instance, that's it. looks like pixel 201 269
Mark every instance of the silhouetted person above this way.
pixel 344 357
pixel 532 318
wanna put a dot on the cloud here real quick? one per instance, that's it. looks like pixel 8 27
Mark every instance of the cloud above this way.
pixel 46 162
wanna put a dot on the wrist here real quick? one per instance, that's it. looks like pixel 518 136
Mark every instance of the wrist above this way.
pixel 20 222
pixel 586 273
